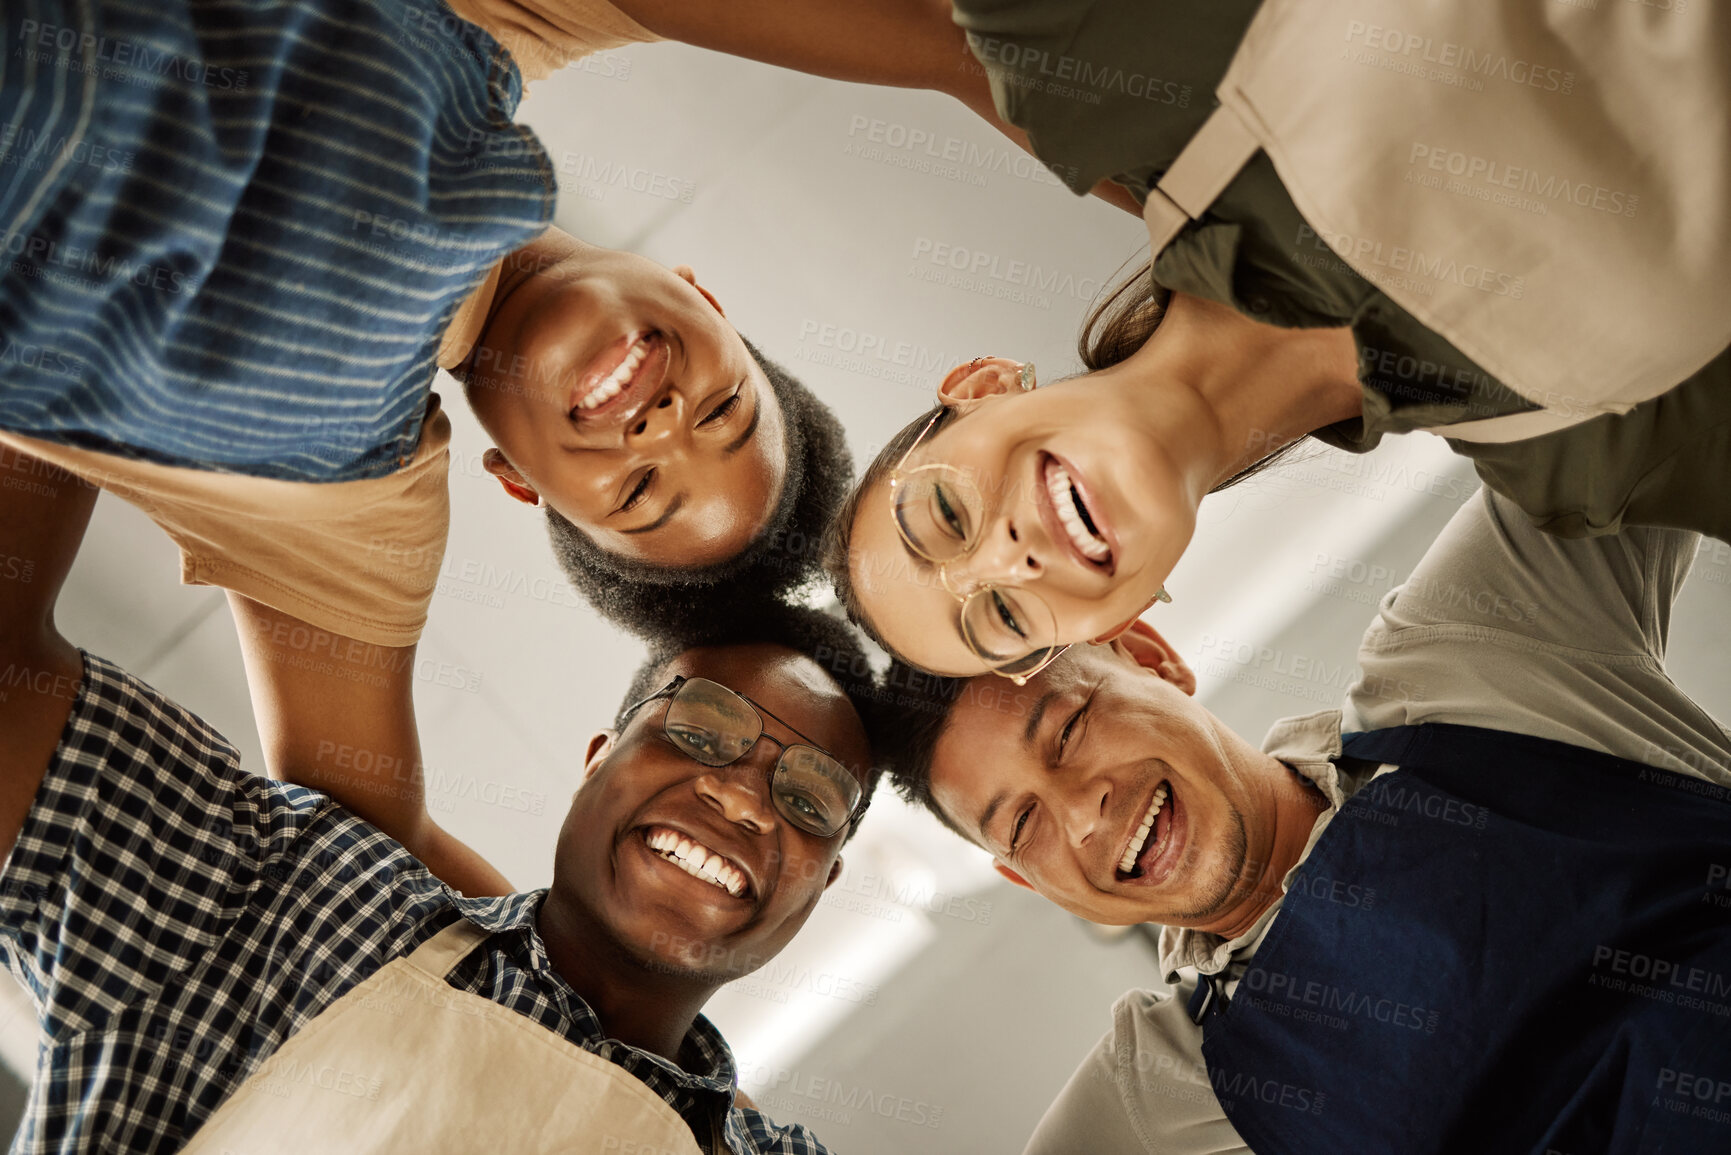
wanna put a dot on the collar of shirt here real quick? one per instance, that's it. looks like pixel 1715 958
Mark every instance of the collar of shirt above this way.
pixel 715 1074
pixel 1310 745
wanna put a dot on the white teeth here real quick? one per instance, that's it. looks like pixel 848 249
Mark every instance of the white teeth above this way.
pixel 614 383
pixel 1142 832
pixel 697 860
pixel 1059 488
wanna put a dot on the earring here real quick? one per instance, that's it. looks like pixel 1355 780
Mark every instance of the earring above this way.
pixel 1027 376
pixel 1160 596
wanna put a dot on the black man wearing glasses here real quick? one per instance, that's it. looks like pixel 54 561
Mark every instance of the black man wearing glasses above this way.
pixel 227 963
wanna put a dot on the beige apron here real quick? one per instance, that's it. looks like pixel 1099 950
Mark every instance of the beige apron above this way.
pixel 406 1063
pixel 1545 183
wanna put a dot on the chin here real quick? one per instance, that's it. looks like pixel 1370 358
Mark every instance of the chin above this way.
pixel 671 952
pixel 1106 623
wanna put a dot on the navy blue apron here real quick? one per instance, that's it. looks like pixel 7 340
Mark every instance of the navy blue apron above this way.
pixel 1506 945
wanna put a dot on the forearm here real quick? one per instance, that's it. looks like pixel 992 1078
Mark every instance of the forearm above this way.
pixel 455 863
pixel 896 43
pixel 337 715
pixel 900 43
pixel 41 527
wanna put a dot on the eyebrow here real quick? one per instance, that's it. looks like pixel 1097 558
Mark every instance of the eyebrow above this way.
pixel 748 433
pixel 991 810
pixel 1033 728
pixel 673 507
pixel 1036 715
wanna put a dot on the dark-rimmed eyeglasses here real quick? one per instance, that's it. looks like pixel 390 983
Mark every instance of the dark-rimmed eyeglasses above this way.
pixel 715 726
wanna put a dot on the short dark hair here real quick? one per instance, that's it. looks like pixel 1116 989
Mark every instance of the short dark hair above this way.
pixel 671 603
pixel 911 714
pixel 824 638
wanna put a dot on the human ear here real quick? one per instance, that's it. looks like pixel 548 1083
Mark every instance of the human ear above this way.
pixel 834 873
pixel 1145 646
pixel 600 745
pixel 689 275
pixel 515 483
pixel 980 378
pixel 1012 876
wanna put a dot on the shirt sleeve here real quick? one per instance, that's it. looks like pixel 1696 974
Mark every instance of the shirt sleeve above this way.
pixel 1143 1088
pixel 751 1130
pixel 144 843
pixel 1661 463
pixel 1506 627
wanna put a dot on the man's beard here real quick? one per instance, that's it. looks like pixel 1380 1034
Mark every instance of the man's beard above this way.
pixel 1238 848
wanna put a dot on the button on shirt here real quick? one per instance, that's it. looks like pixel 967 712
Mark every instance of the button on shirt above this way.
pixel 176 919
pixel 1499 626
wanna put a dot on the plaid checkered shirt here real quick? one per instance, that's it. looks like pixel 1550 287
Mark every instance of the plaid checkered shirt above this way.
pixel 176 919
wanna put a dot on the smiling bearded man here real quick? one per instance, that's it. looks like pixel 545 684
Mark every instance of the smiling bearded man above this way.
pixel 1474 911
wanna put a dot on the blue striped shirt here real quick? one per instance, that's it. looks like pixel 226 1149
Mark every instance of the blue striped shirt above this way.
pixel 235 230
pixel 177 919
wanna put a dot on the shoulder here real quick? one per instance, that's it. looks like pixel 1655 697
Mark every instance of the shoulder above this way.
pixel 764 1136
pixel 1143 1088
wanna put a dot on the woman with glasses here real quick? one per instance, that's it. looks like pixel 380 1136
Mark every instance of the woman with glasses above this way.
pixel 1006 524
pixel 1009 521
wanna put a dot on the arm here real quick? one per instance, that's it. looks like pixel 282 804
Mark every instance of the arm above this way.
pixel 1506 627
pixel 1491 569
pixel 320 700
pixel 1143 1088
pixel 41 527
pixel 897 43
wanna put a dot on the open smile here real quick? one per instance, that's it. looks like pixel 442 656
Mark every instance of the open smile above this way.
pixel 1153 847
pixel 699 861
pixel 613 390
pixel 1072 518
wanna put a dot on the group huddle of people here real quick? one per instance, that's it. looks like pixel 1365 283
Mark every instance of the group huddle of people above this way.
pixel 1481 919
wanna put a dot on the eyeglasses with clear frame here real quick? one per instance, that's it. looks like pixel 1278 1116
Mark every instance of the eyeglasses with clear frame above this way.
pixel 938 513
pixel 716 726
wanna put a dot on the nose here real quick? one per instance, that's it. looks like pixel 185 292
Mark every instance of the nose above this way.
pixel 659 422
pixel 1082 809
pixel 739 792
pixel 1012 552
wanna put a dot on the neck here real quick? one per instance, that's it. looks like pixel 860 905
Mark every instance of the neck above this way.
pixel 1221 392
pixel 638 1004
pixel 1294 802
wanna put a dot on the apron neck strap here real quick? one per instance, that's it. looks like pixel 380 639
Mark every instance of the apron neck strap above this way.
pixel 446 949
pixel 1223 145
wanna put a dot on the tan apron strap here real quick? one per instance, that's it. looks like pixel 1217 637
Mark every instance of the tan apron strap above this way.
pixel 1220 148
pixel 1510 426
pixel 446 949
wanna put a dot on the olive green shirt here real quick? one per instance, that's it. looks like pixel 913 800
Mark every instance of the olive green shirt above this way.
pixel 1116 88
